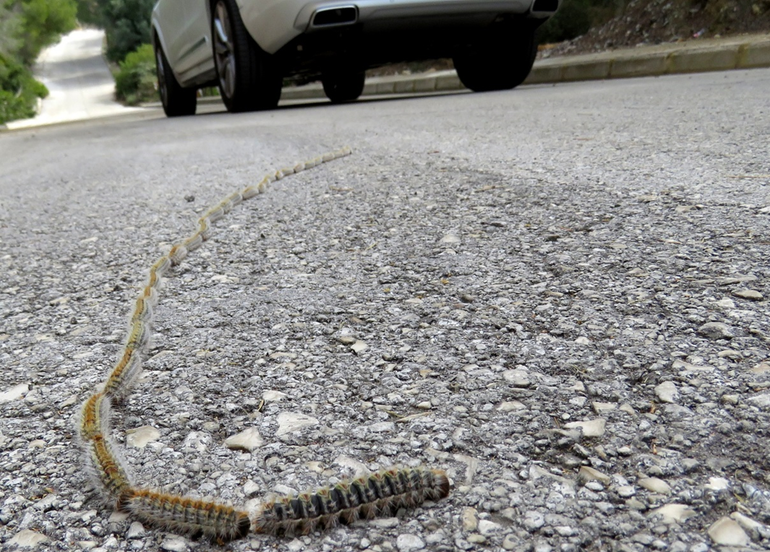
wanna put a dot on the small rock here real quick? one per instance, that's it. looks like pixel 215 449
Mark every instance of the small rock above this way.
pixel 273 396
pixel 477 539
pixel 727 531
pixel 250 488
pixel 289 422
pixel 487 527
pixel 382 427
pixel 249 439
pixel 358 346
pixel 450 238
pixel 28 538
pixel 626 491
pixel 761 368
pixel 667 392
pixel 141 436
pixel 590 474
pixel 749 294
pixel 590 428
pixel 602 407
pixel 135 531
pixel 673 513
pixel 716 330
pixel 517 378
pixel 174 544
pixel 509 542
pixel 407 542
pixel 655 485
pixel 14 393
pixel 746 522
pixel 509 406
pixel 760 400
pixel 469 519
pixel 386 523
pixel 533 520
pixel 717 484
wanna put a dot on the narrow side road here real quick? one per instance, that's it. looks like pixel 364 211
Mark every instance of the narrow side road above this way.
pixel 78 79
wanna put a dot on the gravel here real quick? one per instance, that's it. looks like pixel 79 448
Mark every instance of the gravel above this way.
pixel 549 303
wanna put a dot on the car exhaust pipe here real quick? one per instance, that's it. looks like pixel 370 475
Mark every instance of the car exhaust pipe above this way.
pixel 341 15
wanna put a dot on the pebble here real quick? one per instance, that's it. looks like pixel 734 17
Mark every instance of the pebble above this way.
pixel 487 527
pixel 590 428
pixel 248 440
pixel 728 532
pixel 591 474
pixel 533 520
pixel 469 520
pixel 655 485
pixel 749 294
pixel 14 393
pixel 673 513
pixel 716 330
pixel 517 378
pixel 760 400
pixel 174 544
pixel 509 406
pixel 509 542
pixel 27 538
pixel 667 392
pixel 140 437
pixel 407 542
pixel 746 522
pixel 602 407
pixel 358 347
pixel 626 491
pixel 717 484
pixel 761 368
pixel 135 531
pixel 289 422
pixel 272 395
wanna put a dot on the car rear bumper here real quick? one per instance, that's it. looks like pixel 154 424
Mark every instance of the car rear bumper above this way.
pixel 275 23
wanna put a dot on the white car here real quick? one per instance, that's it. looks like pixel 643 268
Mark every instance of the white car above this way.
pixel 247 47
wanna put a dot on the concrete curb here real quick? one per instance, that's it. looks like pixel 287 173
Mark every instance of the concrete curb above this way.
pixel 741 52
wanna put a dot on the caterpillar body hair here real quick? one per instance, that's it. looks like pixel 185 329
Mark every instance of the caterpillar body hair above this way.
pixel 204 228
pixel 177 254
pixel 185 515
pixel 107 469
pixel 193 242
pixel 215 213
pixel 142 309
pixel 138 335
pixel 383 492
pixel 123 376
pixel 94 416
pixel 250 191
pixel 161 266
pixel 299 167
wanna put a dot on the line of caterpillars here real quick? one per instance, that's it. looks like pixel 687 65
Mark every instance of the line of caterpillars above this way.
pixel 383 492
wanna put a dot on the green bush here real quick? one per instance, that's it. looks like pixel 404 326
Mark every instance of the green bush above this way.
pixel 136 81
pixel 19 91
pixel 126 24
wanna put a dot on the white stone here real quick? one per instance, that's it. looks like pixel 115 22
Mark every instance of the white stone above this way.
pixel 135 531
pixel 407 542
pixel 450 238
pixel 291 421
pixel 533 520
pixel 358 468
pixel 469 519
pixel 250 488
pixel 582 340
pixel 139 437
pixel 667 392
pixel 14 393
pixel 518 377
pixel 761 368
pixel 602 407
pixel 626 491
pixel 508 406
pixel 174 544
pixel 746 522
pixel 385 523
pixel 358 346
pixel 673 513
pixel 761 400
pixel 273 396
pixel 716 330
pixel 382 427
pixel 28 538
pixel 249 439
pixel 655 485
pixel 749 294
pixel 487 527
pixel 717 484
pixel 590 474
pixel 726 531
pixel 590 428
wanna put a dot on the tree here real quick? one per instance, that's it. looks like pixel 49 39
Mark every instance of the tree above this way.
pixel 126 24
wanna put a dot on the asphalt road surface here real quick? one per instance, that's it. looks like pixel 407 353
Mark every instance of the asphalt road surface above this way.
pixel 556 294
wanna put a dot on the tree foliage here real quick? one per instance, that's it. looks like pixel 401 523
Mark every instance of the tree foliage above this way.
pixel 26 27
pixel 126 24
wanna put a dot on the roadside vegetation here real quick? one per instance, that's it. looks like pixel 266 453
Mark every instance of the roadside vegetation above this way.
pixel 26 27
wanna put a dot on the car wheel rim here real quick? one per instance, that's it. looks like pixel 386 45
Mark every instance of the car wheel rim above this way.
pixel 224 50
pixel 161 78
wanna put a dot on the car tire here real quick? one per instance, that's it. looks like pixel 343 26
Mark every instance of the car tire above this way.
pixel 177 101
pixel 343 87
pixel 500 62
pixel 248 77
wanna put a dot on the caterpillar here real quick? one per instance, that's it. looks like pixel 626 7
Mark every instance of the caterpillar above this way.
pixel 181 514
pixel 383 492
pixel 106 468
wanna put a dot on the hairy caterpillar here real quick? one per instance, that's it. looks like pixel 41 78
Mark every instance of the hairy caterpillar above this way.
pixel 106 467
pixel 181 514
pixel 94 416
pixel 123 376
pixel 383 492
